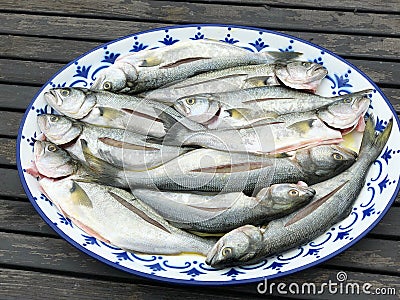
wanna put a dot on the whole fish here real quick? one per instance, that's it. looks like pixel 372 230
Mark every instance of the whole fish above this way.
pixel 216 171
pixel 108 109
pixel 119 147
pixel 224 212
pixel 149 69
pixel 115 216
pixel 243 107
pixel 263 137
pixel 294 74
pixel 332 203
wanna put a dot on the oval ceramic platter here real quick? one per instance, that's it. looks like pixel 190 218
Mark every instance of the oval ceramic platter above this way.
pixel 382 182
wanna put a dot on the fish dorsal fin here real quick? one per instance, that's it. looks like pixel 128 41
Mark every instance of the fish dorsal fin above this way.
pixel 138 212
pixel 79 196
pixel 313 206
pixel 268 99
pixel 151 61
pixel 210 209
pixel 233 168
pixel 183 61
pixel 259 81
pixel 125 145
pixel 140 114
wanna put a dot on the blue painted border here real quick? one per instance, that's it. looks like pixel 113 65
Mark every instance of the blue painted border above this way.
pixel 194 282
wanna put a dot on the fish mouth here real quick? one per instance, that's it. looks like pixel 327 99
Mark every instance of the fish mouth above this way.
pixel 51 97
pixel 212 258
pixel 317 71
pixel 42 122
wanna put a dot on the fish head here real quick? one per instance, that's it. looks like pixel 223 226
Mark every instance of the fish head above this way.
pixel 345 114
pixel 301 74
pixel 285 196
pixel 200 108
pixel 236 247
pixel 59 129
pixel 72 102
pixel 118 78
pixel 326 160
pixel 52 161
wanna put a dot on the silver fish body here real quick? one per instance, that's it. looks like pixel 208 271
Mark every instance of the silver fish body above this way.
pixel 119 147
pixel 295 74
pixel 149 69
pixel 332 203
pixel 108 109
pixel 115 216
pixel 244 107
pixel 219 171
pixel 223 212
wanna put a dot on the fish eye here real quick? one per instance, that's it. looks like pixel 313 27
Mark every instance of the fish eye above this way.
pixel 226 251
pixel 53 118
pixel 293 192
pixel 51 148
pixel 190 101
pixel 64 92
pixel 305 64
pixel 107 85
pixel 347 100
pixel 337 156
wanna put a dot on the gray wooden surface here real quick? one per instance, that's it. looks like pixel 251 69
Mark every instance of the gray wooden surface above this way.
pixel 39 37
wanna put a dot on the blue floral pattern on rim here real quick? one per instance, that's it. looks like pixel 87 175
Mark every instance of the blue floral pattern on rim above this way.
pixel 343 78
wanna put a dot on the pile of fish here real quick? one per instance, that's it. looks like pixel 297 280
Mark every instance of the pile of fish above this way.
pixel 205 147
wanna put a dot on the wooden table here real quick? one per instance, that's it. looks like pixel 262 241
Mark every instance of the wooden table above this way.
pixel 39 37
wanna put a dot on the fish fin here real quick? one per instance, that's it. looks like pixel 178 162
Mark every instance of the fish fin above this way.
pixel 279 56
pixel 125 145
pixel 171 119
pixel 373 144
pixel 210 209
pixel 79 196
pixel 102 169
pixel 262 81
pixel 355 94
pixel 110 113
pixel 183 61
pixel 233 168
pixel 302 126
pixel 151 61
pixel 140 114
pixel 137 211
pixel 313 206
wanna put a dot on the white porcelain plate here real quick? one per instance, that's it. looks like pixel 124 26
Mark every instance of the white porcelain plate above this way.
pixel 382 182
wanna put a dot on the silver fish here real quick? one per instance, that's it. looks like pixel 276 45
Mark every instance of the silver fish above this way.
pixel 224 212
pixel 108 109
pixel 241 108
pixel 115 216
pixel 294 74
pixel 333 202
pixel 149 69
pixel 119 147
pixel 216 171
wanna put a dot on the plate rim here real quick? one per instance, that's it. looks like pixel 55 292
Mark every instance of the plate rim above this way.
pixel 185 281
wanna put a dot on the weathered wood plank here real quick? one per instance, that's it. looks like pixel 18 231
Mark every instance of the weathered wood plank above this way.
pixel 51 286
pixel 10 122
pixel 358 5
pixel 16 96
pixel 368 255
pixel 22 216
pixel 10 185
pixel 389 225
pixel 7 151
pixel 33 72
pixel 59 50
pixel 184 12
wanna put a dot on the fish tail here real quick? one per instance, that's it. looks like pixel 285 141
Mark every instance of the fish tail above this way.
pixel 372 143
pixel 102 170
pixel 281 56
